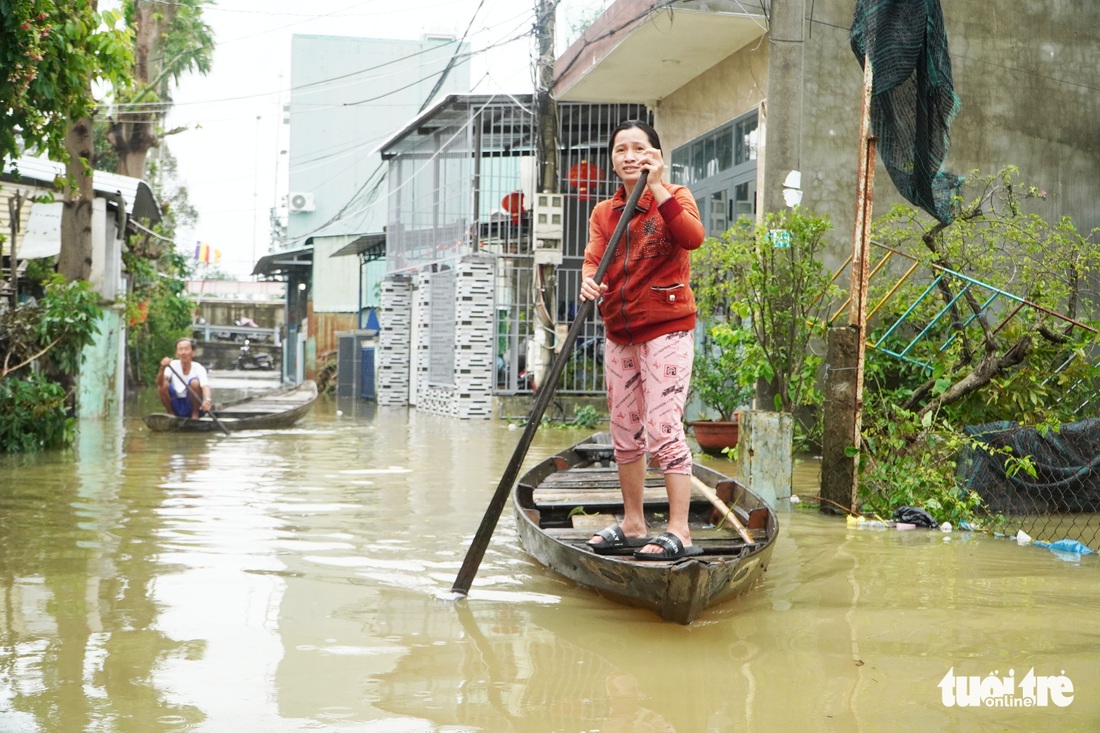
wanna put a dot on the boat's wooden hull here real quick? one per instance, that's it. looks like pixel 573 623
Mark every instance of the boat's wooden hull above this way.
pixel 678 590
pixel 269 411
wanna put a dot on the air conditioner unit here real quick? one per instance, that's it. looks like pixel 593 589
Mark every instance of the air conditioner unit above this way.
pixel 301 202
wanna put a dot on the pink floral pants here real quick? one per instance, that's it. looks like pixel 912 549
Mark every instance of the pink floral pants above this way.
pixel 646 389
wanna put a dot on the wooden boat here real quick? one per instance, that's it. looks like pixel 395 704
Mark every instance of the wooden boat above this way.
pixel 563 500
pixel 268 411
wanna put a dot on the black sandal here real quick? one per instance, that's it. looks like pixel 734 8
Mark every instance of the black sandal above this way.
pixel 672 548
pixel 615 542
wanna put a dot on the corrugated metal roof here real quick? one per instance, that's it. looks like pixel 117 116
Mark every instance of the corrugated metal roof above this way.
pixel 452 110
pixel 373 245
pixel 138 197
pixel 281 262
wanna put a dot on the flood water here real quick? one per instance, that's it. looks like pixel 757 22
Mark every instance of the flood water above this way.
pixel 276 582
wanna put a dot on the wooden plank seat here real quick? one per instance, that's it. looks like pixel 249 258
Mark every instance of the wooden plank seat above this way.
pixel 651 494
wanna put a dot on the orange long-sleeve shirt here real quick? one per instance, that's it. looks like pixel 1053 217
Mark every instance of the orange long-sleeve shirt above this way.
pixel 648 289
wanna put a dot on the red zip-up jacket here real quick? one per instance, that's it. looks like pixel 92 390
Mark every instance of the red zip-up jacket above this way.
pixel 648 290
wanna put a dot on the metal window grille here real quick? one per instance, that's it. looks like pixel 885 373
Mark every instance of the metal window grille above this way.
pixel 429 205
pixel 585 178
pixel 460 184
pixel 514 309
pixel 457 184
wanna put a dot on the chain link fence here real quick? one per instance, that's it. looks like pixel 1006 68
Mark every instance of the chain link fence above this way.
pixel 1045 482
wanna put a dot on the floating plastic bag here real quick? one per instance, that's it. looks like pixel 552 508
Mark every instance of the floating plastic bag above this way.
pixel 913 515
pixel 1071 546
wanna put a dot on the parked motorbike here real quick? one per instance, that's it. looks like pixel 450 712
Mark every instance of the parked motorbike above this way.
pixel 248 360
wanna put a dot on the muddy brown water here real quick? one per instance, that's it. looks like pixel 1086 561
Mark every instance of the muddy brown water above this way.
pixel 276 582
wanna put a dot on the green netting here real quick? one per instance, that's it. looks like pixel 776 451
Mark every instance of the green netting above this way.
pixel 913 100
pixel 1067 468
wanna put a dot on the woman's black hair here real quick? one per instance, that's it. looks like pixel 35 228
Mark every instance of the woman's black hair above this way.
pixel 645 127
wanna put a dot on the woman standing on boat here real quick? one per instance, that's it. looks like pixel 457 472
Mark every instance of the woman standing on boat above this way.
pixel 648 311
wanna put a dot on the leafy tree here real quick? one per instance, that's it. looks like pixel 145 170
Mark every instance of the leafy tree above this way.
pixel 983 338
pixel 170 39
pixel 996 333
pixel 52 54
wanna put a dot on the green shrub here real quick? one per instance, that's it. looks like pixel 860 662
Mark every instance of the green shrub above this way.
pixel 40 353
pixel 35 415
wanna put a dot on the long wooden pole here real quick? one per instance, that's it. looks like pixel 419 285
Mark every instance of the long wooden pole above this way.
pixel 542 400
pixel 720 505
pixel 861 244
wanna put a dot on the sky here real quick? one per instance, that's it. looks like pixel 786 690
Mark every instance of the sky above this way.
pixel 229 154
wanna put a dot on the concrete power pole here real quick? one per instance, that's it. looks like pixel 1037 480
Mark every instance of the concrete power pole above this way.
pixel 783 111
pixel 782 120
pixel 546 157
pixel 546 106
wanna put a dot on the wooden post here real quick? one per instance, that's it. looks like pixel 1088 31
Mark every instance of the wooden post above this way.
pixel 837 466
pixel 861 242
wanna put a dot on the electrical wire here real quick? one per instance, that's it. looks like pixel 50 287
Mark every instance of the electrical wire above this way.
pixel 244 97
pixel 451 62
pixel 347 212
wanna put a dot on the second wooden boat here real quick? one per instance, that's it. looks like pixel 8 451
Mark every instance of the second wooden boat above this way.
pixel 563 500
pixel 268 411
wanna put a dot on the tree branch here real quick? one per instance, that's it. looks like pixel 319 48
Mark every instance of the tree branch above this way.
pixel 987 369
pixel 28 360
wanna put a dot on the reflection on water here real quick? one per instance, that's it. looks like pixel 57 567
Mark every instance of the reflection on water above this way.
pixel 291 581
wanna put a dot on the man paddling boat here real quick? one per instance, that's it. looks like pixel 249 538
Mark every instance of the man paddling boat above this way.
pixel 181 381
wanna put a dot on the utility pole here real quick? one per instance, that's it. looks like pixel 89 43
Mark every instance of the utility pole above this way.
pixel 783 111
pixel 540 354
pixel 782 121
pixel 547 108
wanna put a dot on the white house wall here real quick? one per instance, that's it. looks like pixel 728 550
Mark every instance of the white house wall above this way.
pixel 106 270
pixel 335 279
pixel 348 95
